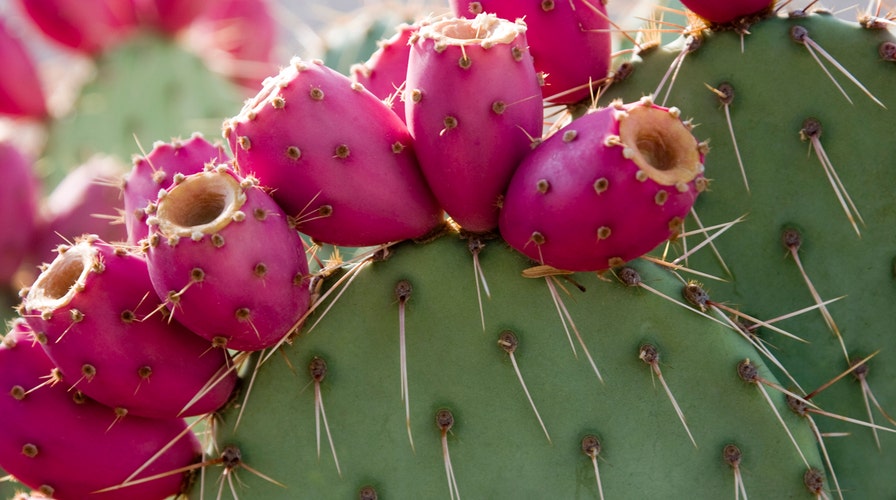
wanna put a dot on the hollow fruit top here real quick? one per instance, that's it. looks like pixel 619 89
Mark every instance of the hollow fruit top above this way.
pixel 62 279
pixel 201 204
pixel 660 144
pixel 485 30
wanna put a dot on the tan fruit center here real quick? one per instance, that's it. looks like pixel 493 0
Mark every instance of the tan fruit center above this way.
pixel 661 145
pixel 203 203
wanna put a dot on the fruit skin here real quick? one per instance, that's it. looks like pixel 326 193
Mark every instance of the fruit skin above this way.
pixel 68 446
pixel 86 201
pixel 606 189
pixel 88 26
pixel 21 91
pixel 385 72
pixel 570 41
pixel 473 105
pixel 727 12
pixel 19 195
pixel 93 311
pixel 226 261
pixel 156 171
pixel 337 159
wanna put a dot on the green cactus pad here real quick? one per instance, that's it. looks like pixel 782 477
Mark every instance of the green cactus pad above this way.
pixel 777 86
pixel 497 447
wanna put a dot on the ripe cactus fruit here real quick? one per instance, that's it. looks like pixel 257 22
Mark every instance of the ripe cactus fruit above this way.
pixel 570 41
pixel 497 447
pixel 729 11
pixel 18 209
pixel 226 261
pixel 607 188
pixel 157 171
pixel 86 201
pixel 384 74
pixel 89 309
pixel 337 158
pixel 169 16
pixel 21 92
pixel 89 26
pixel 471 86
pixel 67 446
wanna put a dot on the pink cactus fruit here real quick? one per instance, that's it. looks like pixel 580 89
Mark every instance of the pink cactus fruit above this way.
pixel 67 446
pixel 227 261
pixel 474 108
pixel 339 161
pixel 607 188
pixel 88 26
pixel 19 193
pixel 237 38
pixel 156 171
pixel 385 72
pixel 570 41
pixel 86 201
pixel 728 11
pixel 93 310
pixel 170 16
pixel 21 91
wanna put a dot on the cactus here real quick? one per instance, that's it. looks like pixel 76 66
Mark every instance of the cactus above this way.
pixel 587 376
pixel 816 172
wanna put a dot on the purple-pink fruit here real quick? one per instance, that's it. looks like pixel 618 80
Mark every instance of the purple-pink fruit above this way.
pixel 170 16
pixel 67 446
pixel 473 106
pixel 96 314
pixel 227 261
pixel 86 201
pixel 385 72
pixel 19 194
pixel 21 92
pixel 88 26
pixel 570 41
pixel 727 11
pixel 156 171
pixel 607 188
pixel 339 161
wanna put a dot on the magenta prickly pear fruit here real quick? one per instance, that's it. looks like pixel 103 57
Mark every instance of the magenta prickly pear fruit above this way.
pixel 156 171
pixel 339 161
pixel 570 41
pixel 473 104
pixel 93 309
pixel 385 72
pixel 86 201
pixel 170 16
pixel 88 26
pixel 728 11
pixel 236 38
pixel 226 260
pixel 19 193
pixel 67 446
pixel 21 93
pixel 605 189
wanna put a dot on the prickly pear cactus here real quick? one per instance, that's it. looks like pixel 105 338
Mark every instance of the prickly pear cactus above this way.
pixel 816 188
pixel 333 433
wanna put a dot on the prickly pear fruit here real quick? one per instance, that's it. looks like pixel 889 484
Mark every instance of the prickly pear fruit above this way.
pixel 226 260
pixel 90 310
pixel 84 202
pixel 67 446
pixel 570 41
pixel 88 26
pixel 337 158
pixel 21 92
pixel 607 188
pixel 19 194
pixel 170 16
pixel 728 11
pixel 157 171
pixel 474 107
pixel 385 72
